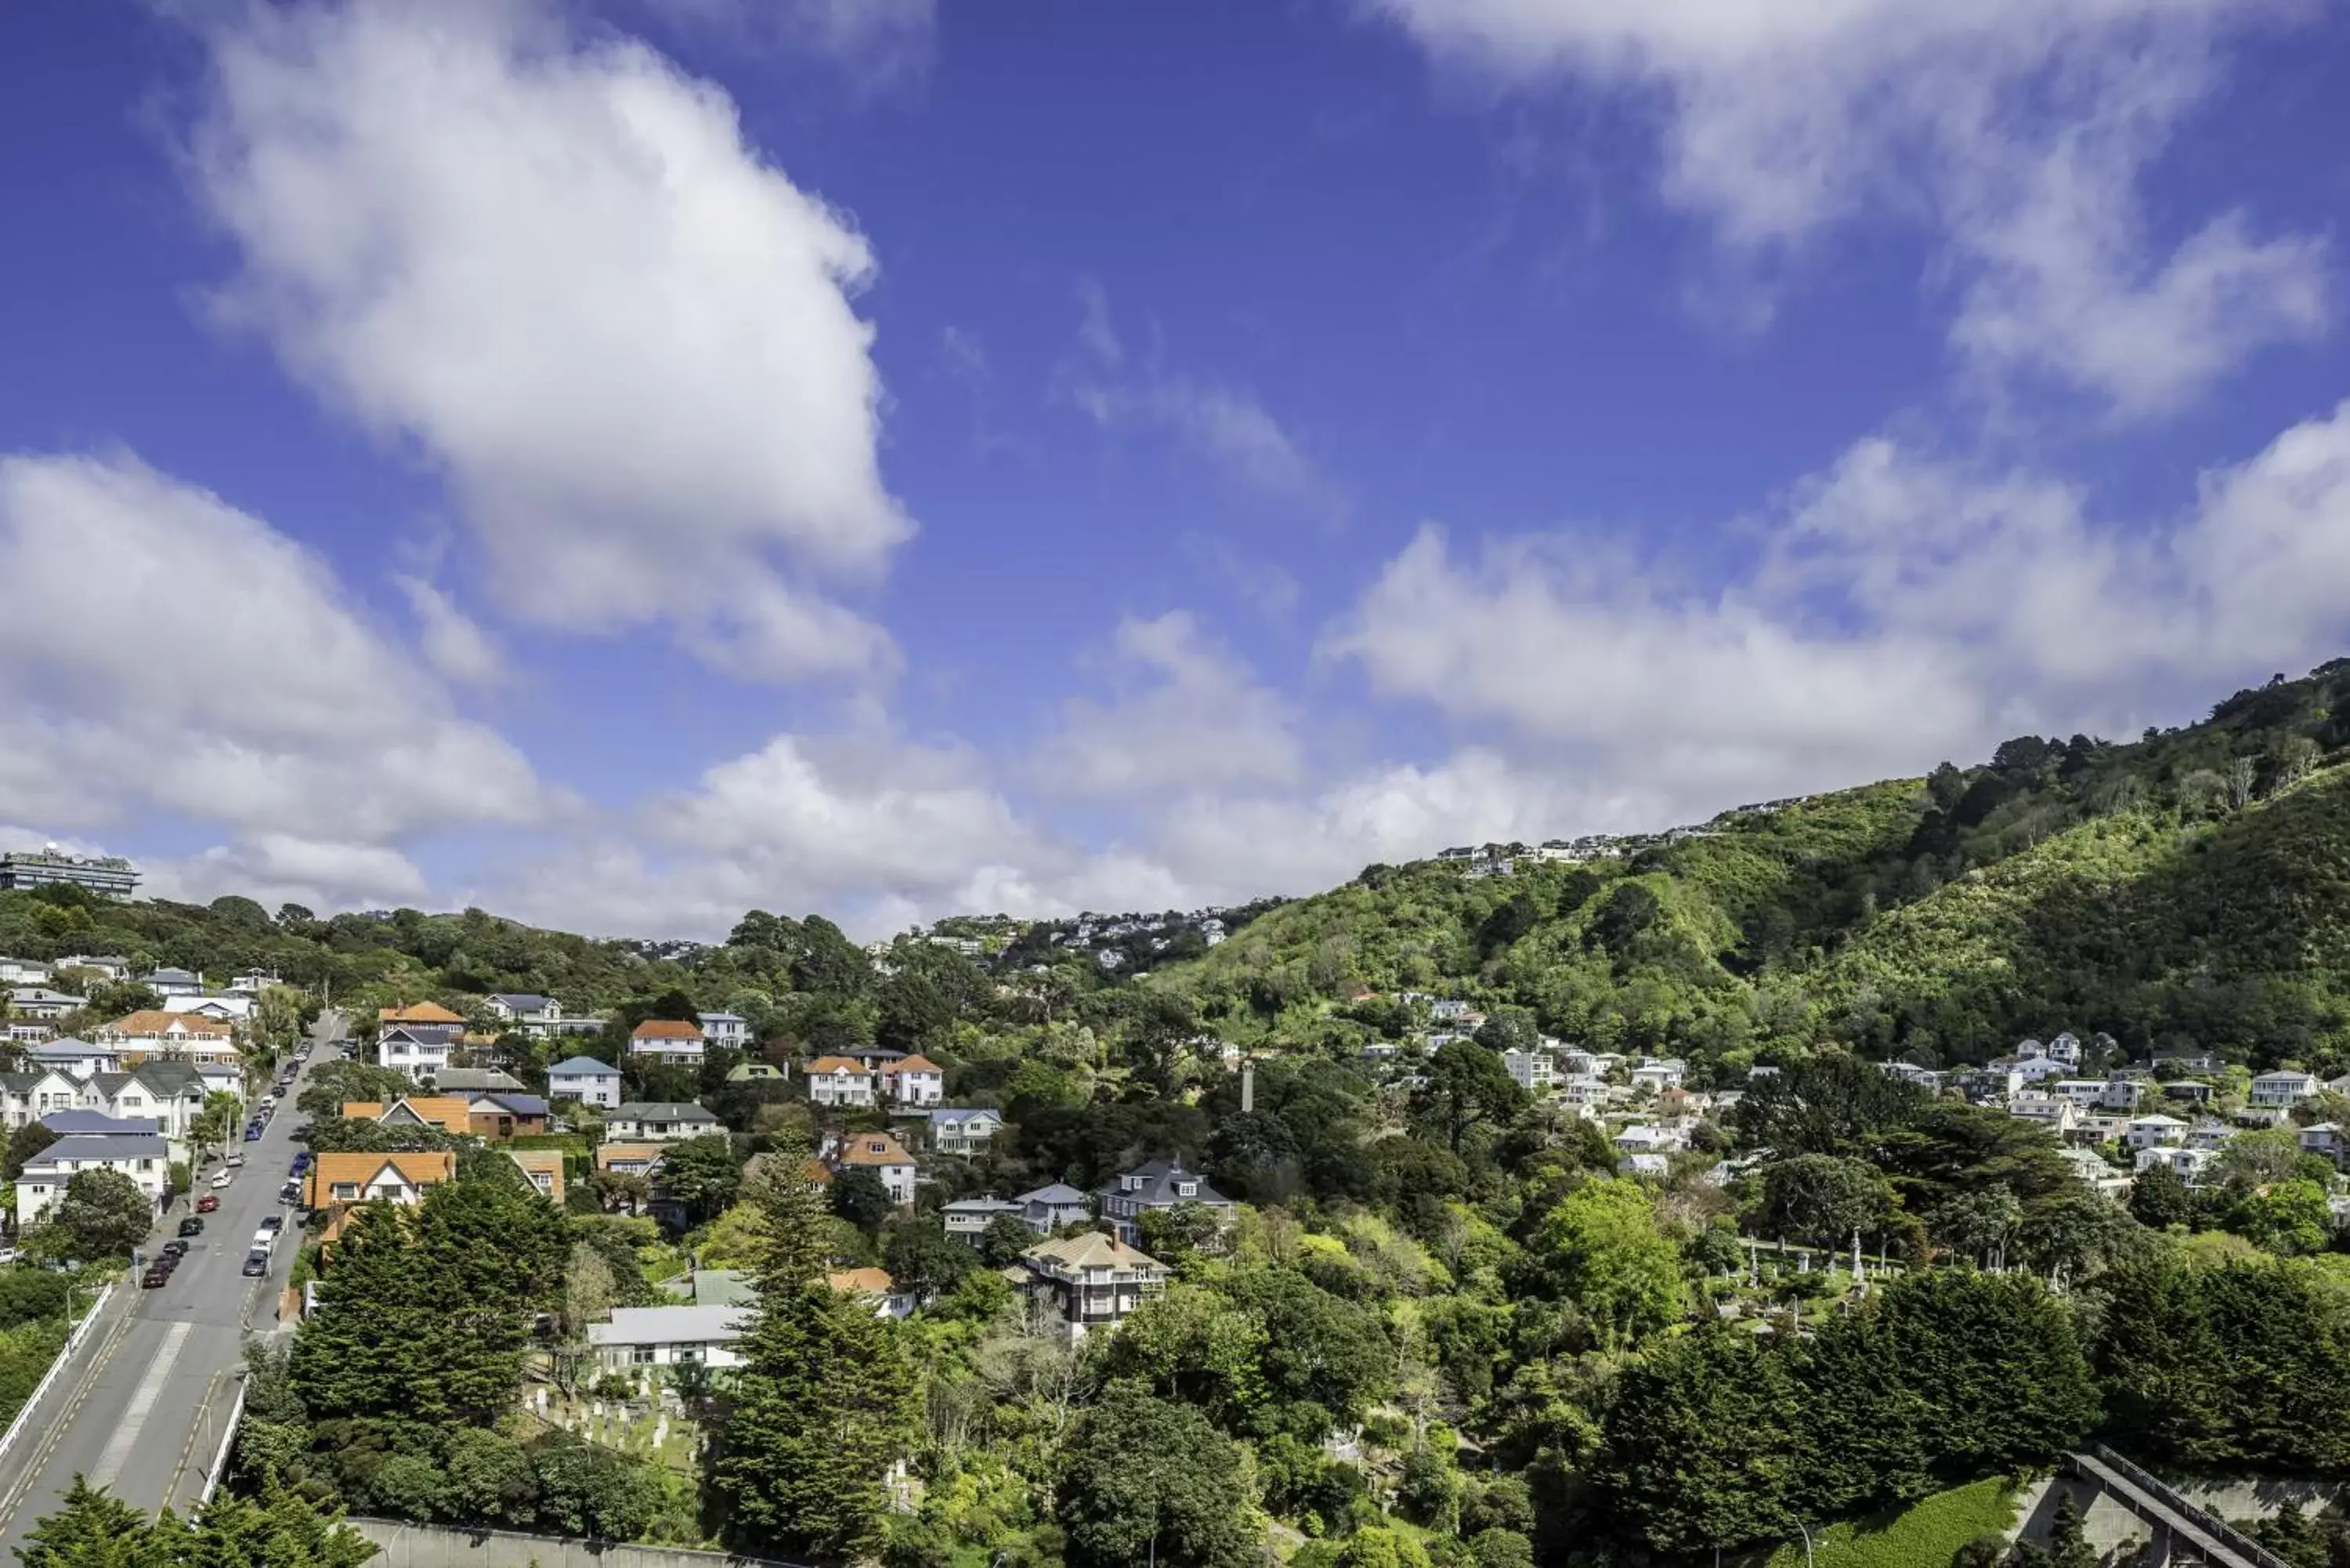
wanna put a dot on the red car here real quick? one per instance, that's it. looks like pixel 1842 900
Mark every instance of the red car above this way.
pixel 207 1203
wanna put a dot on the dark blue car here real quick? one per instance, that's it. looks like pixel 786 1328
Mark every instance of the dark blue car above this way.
pixel 252 1131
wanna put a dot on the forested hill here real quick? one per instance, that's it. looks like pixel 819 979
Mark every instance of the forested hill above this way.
pixel 2191 888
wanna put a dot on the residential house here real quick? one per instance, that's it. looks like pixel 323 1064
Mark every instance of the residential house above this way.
pixel 629 1158
pixel 670 1040
pixel 2058 1116
pixel 39 1002
pixel 420 1015
pixel 2194 1091
pixel 1638 1138
pixel 876 1286
pixel 2283 1090
pixel 417 1052
pixel 543 1168
pixel 725 1029
pixel 839 1081
pixel 1047 1209
pixel 960 1129
pixel 449 1113
pixel 658 1121
pixel 639 1339
pixel 109 969
pixel 473 1082
pixel 77 1057
pixel 524 1009
pixel 2125 1095
pixel 230 1010
pixel 1537 1071
pixel 98 1124
pixel 1160 1185
pixel 1448 1010
pixel 2091 1167
pixel 339 1181
pixel 2065 1051
pixel 2085 1093
pixel 2325 1138
pixel 1655 1167
pixel 2188 1163
pixel 152 1032
pixel 585 1079
pixel 2187 1061
pixel 1988 1085
pixel 2154 1132
pixel 25 1031
pixel 2036 1069
pixel 25 971
pixel 29 1095
pixel 914 1081
pixel 1660 1075
pixel 880 1154
pixel 1090 1280
pixel 1581 1091
pixel 2210 1135
pixel 172 1093
pixel 498 1118
pixel 253 981
pixel 168 982
pixel 967 1219
pixel 146 1159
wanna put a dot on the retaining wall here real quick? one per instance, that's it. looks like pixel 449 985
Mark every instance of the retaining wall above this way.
pixel 430 1546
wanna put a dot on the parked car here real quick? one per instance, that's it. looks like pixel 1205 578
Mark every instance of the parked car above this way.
pixel 234 1161
pixel 175 1249
pixel 156 1277
pixel 221 1178
pixel 207 1203
pixel 301 1161
pixel 252 1131
pixel 273 1223
pixel 192 1226
pixel 257 1264
pixel 290 1193
pixel 7 1254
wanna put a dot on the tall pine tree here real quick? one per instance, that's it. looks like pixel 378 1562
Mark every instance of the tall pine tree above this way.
pixel 824 1398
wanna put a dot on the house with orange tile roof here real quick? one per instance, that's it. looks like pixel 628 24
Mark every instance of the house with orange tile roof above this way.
pixel 430 1013
pixel 449 1113
pixel 839 1081
pixel 880 1154
pixel 153 1034
pixel 914 1081
pixel 339 1179
pixel 673 1041
pixel 877 1286
pixel 543 1168
pixel 629 1158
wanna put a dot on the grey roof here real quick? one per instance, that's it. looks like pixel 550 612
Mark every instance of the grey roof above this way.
pixel 521 1001
pixel 985 1205
pixel 580 1067
pixel 658 1111
pixel 515 1105
pixel 88 1147
pixel 670 1325
pixel 174 975
pixel 67 1049
pixel 713 1287
pixel 721 1018
pixel 1158 1186
pixel 20 1082
pixel 962 1113
pixel 452 1080
pixel 170 1077
pixel 70 1124
pixel 1058 1193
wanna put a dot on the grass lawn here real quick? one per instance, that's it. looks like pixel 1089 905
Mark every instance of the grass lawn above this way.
pixel 1925 1536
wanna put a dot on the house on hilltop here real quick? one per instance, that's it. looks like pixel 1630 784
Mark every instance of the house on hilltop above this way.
pixel 670 1040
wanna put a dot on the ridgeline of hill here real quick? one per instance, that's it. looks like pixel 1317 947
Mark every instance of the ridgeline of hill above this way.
pixel 2188 888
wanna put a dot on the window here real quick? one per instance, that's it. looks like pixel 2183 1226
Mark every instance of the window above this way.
pixel 345 1191
pixel 641 1355
pixel 1187 1189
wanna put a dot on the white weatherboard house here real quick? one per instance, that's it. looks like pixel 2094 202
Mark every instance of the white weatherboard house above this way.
pixel 725 1028
pixel 146 1160
pixel 2283 1090
pixel 417 1052
pixel 639 1337
pixel 586 1080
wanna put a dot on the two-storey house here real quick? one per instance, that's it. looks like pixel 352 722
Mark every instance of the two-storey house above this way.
pixel 839 1081
pixel 1090 1282
pixel 585 1079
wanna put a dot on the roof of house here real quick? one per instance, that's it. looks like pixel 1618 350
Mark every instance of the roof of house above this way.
pixel 989 1205
pixel 100 1148
pixel 447 1112
pixel 961 1113
pixel 912 1064
pixel 155 1021
pixel 66 1049
pixel 609 1154
pixel 418 1012
pixel 549 1160
pixel 666 1029
pixel 838 1065
pixel 521 1001
pixel 1059 1193
pixel 1159 1179
pixel 581 1067
pixel 167 1078
pixel 1092 1250
pixel 2285 1076
pixel 670 1325
pixel 451 1080
pixel 169 975
pixel 867 1282
pixel 512 1105
pixel 658 1111
pixel 714 1287
pixel 68 1124
pixel 873 1148
pixel 748 1072
pixel 722 1018
pixel 418 1168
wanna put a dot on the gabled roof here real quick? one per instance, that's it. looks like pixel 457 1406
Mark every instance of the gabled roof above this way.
pixel 489 1080
pixel 961 1113
pixel 170 1078
pixel 174 976
pixel 580 1067
pixel 911 1064
pixel 871 1150
pixel 541 1161
pixel 1093 1249
pixel 666 1029
pixel 418 1012
pixel 100 1148
pixel 521 1001
pixel 420 1168
pixel 512 1105
pixel 862 1281
pixel 1059 1194
pixel 671 1326
pixel 722 1018
pixel 1157 1183
pixel 609 1154
pixel 155 1021
pixel 447 1112
pixel 66 1049
pixel 830 1065
pixel 70 1124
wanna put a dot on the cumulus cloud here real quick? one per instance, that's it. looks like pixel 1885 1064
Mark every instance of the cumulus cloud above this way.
pixel 1197 720
pixel 2018 130
pixel 200 663
pixel 877 42
pixel 453 644
pixel 1904 608
pixel 555 269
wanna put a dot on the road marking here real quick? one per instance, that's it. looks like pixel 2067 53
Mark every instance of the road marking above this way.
pixel 37 1461
pixel 142 1403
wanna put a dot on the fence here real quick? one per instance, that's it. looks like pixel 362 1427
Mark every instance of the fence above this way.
pixel 80 1332
pixel 2225 1536
pixel 431 1546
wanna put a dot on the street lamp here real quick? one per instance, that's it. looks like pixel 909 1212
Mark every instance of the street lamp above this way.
pixel 1807 1542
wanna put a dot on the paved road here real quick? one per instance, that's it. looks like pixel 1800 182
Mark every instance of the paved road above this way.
pixel 144 1406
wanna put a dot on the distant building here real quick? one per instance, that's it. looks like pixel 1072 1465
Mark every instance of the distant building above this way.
pixel 956 1129
pixel 880 1154
pixel 839 1081
pixel 1160 1185
pixel 725 1028
pixel 967 1219
pixel 108 876
pixel 914 1081
pixel 585 1079
pixel 1091 1281
pixel 671 1041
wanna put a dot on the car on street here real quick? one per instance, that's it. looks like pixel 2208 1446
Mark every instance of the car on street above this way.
pixel 272 1222
pixel 252 1131
pixel 301 1161
pixel 156 1277
pixel 192 1226
pixel 224 1177
pixel 257 1264
pixel 175 1249
pixel 234 1161
pixel 290 1193
pixel 207 1203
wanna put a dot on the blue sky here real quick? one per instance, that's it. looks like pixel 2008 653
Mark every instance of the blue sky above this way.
pixel 624 464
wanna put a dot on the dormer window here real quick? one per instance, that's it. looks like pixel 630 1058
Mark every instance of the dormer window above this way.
pixel 1187 1189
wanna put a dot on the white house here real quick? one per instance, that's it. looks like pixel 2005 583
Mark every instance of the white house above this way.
pixel 78 1057
pixel 880 1154
pixel 1583 1090
pixel 2155 1132
pixel 109 968
pixel 671 1041
pixel 2325 1138
pixel 253 981
pixel 2188 1163
pixel 172 1092
pixel 25 971
pixel 146 1160
pixel 416 1052
pixel 1537 1071
pixel 967 1219
pixel 1647 1164
pixel 525 1009
pixel 1047 1209
pixel 1658 1075
pixel 28 1097
pixel 956 1129
pixel 173 982
pixel 914 1081
pixel 639 1337
pixel 219 1009
pixel 2124 1094
pixel 585 1079
pixel 2046 1110
pixel 40 1002
pixel 1643 1140
pixel 173 1036
pixel 2085 1093
pixel 2283 1091
pixel 658 1121
pixel 725 1028
pixel 839 1081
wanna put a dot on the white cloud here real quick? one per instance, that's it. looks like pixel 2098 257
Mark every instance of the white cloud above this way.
pixel 272 868
pixel 1903 609
pixel 877 42
pixel 453 644
pixel 194 662
pixel 555 267
pixel 2019 130
pixel 1199 720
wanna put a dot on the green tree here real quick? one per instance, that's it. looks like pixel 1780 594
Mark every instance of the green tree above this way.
pixel 1467 1085
pixel 822 1403
pixel 702 1173
pixel 2159 1198
pixel 2290 1218
pixel 859 1197
pixel 1614 1263
pixel 1823 1198
pixel 922 1258
pixel 1143 1478
pixel 103 1214
pixel 91 1528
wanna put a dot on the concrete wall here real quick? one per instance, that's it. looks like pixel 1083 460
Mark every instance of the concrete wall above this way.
pixel 429 1546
